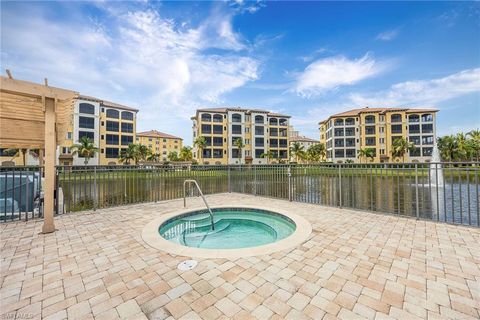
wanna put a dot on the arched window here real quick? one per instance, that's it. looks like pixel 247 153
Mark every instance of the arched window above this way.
pixel 236 117
pixel 259 119
pixel 112 113
pixel 339 122
pixel 370 119
pixel 86 108
pixel 273 121
pixel 282 122
pixel 427 117
pixel 217 118
pixel 126 115
pixel 396 117
pixel 349 121
pixel 206 117
pixel 414 118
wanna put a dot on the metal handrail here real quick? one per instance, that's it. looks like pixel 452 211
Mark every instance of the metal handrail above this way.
pixel 201 195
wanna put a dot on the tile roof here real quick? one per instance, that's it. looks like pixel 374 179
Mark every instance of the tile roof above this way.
pixel 247 110
pixel 107 103
pixel 302 138
pixel 157 134
pixel 356 112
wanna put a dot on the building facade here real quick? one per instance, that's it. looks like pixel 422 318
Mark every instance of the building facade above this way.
pixel 111 126
pixel 302 141
pixel 261 131
pixel 344 134
pixel 160 143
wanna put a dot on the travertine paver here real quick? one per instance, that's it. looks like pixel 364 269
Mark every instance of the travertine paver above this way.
pixel 354 265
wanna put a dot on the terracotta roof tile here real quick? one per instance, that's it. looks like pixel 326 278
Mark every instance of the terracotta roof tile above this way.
pixel 356 112
pixel 157 134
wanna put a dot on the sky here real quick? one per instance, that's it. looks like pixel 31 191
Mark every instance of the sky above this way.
pixel 306 59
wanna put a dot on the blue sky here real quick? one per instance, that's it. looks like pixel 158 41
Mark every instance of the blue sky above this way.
pixel 306 59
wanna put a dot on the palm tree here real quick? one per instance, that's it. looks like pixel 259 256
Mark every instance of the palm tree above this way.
pixel 239 144
pixel 296 149
pixel 268 155
pixel 366 153
pixel 475 143
pixel 129 154
pixel 186 154
pixel 172 156
pixel 142 152
pixel 153 157
pixel 447 145
pixel 85 148
pixel 200 143
pixel 400 147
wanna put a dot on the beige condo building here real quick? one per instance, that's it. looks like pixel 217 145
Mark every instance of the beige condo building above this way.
pixel 344 134
pixel 160 143
pixel 260 130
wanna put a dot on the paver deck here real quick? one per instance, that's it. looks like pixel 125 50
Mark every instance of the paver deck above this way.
pixel 355 265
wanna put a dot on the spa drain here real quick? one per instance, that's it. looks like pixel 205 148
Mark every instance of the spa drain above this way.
pixel 187 265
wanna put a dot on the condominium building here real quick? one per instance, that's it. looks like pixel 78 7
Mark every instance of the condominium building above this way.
pixel 303 142
pixel 160 143
pixel 261 131
pixel 111 126
pixel 344 134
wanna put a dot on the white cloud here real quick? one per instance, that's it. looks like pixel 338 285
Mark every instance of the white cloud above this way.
pixel 330 73
pixel 423 93
pixel 388 35
pixel 135 57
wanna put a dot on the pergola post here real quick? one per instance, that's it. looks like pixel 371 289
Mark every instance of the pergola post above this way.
pixel 49 183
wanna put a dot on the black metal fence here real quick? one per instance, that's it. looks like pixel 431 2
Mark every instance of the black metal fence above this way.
pixel 447 192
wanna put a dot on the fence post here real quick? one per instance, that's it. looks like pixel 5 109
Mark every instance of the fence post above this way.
pixel 289 173
pixel 95 199
pixel 229 186
pixel 254 180
pixel 417 210
pixel 340 184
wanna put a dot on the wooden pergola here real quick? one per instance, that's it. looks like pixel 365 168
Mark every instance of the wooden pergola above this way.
pixel 36 116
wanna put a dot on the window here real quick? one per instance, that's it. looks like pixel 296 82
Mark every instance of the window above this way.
pixel 396 117
pixel 69 135
pixel 208 142
pixel 415 140
pixel 339 143
pixel 236 117
pixel 283 154
pixel 86 108
pixel 236 129
pixel 415 152
pixel 86 122
pixel 427 128
pixel 217 153
pixel 370 119
pixel 282 143
pixel 349 132
pixel 414 118
pixel 283 132
pixel 381 140
pixel 427 117
pixel 370 141
pixel 217 129
pixel 259 152
pixel 273 121
pixel 87 134
pixel 111 153
pixel 259 130
pixel 259 119
pixel 236 153
pixel 126 115
pixel 282 122
pixel 427 140
pixel 127 127
pixel 112 139
pixel 414 128
pixel 207 153
pixel 206 128
pixel 217 118
pixel 206 117
pixel 112 126
pixel 259 142
pixel 112 113
pixel 274 143
pixel 370 130
pixel 338 132
pixel 65 150
pixel 339 153
pixel 126 140
pixel 247 141
pixel 218 141
pixel 338 122
pixel 273 132
pixel 397 128
pixel 427 152
pixel 350 142
pixel 349 121
pixel 350 153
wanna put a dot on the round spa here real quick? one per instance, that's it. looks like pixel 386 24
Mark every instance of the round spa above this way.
pixel 238 232
pixel 233 228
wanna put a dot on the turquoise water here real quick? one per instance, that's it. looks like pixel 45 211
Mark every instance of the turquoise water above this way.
pixel 234 228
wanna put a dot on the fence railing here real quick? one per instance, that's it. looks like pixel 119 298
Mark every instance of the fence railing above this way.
pixel 447 192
